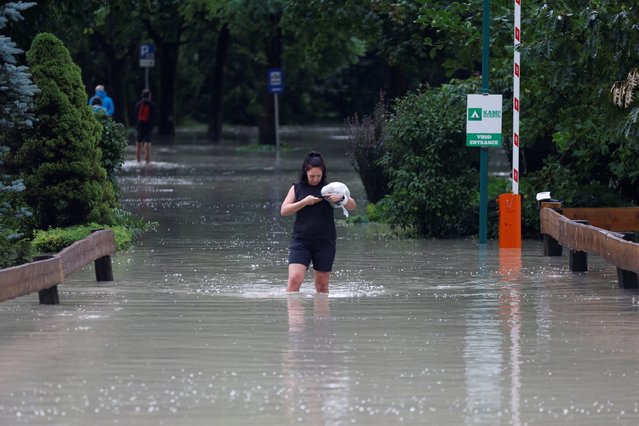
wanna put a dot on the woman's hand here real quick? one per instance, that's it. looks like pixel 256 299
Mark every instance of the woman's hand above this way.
pixel 335 198
pixel 290 206
pixel 310 200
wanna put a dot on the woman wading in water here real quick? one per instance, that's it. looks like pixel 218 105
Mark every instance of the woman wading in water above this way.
pixel 314 233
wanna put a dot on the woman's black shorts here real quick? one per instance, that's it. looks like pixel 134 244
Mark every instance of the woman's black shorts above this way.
pixel 321 252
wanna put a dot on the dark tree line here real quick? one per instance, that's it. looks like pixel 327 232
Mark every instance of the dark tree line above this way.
pixel 212 56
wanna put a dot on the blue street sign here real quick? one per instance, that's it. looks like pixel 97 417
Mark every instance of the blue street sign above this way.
pixel 275 80
pixel 147 55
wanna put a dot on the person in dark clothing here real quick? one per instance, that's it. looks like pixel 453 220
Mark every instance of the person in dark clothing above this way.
pixel 145 112
pixel 314 233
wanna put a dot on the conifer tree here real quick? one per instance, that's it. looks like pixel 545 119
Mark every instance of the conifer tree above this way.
pixel 16 98
pixel 59 158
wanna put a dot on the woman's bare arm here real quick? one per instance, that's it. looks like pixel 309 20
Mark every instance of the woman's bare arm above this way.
pixel 290 206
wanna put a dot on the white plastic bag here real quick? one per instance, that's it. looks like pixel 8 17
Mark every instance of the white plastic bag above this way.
pixel 337 188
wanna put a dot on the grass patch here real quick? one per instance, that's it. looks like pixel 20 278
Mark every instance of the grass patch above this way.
pixel 255 147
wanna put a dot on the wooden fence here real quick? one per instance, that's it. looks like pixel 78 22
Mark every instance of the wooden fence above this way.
pixel 581 235
pixel 45 274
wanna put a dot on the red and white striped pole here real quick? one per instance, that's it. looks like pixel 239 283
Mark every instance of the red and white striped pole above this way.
pixel 510 203
pixel 516 100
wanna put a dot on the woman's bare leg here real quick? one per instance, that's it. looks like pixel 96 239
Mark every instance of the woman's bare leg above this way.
pixel 296 273
pixel 321 281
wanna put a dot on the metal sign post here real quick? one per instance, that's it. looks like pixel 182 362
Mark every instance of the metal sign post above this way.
pixel 275 87
pixel 483 152
pixel 147 60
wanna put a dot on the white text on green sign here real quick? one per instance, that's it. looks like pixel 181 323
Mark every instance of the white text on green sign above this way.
pixel 483 120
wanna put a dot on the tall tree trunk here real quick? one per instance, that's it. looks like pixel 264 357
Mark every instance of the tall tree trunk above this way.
pixel 167 54
pixel 117 77
pixel 274 57
pixel 397 86
pixel 217 90
pixel 117 61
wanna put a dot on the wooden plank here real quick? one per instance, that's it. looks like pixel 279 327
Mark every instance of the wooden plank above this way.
pixel 620 219
pixel 29 278
pixel 81 253
pixel 576 236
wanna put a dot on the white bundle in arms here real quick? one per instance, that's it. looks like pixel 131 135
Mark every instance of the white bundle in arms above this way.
pixel 337 188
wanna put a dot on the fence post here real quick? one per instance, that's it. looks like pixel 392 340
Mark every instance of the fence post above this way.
pixel 625 278
pixel 578 260
pixel 103 267
pixel 551 246
pixel 48 296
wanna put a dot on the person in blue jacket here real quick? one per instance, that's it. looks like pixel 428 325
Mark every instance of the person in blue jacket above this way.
pixel 107 102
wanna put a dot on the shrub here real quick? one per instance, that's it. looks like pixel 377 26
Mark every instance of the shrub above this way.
pixel 367 140
pixel 126 228
pixel 432 174
pixel 56 239
pixel 112 145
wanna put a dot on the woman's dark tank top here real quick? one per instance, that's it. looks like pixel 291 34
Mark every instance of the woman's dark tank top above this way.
pixel 316 221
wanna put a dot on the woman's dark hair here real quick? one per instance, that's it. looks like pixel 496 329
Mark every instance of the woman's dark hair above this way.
pixel 313 159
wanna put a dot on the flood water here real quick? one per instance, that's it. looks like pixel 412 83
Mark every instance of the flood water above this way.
pixel 197 329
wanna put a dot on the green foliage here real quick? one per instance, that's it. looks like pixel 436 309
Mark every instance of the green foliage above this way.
pixel 257 148
pixel 59 158
pixel 112 145
pixel 355 219
pixel 374 212
pixel 577 51
pixel 432 173
pixel 367 140
pixel 56 239
pixel 18 90
pixel 134 224
pixel 126 228
pixel 13 250
pixel 572 52
pixel 16 99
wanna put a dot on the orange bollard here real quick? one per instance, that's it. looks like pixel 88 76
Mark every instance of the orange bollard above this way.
pixel 509 220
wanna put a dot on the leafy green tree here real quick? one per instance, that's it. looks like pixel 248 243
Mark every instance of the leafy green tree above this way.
pixel 59 158
pixel 574 54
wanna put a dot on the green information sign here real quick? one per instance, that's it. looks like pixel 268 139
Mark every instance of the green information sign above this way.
pixel 483 120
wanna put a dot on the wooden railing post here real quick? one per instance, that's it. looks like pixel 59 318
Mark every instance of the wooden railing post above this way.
pixel 578 260
pixel 551 246
pixel 48 296
pixel 625 278
pixel 103 269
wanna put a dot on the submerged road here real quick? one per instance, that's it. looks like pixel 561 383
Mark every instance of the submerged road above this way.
pixel 196 329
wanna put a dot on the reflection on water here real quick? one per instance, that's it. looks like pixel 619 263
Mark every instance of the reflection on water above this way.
pixel 316 385
pixel 197 328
